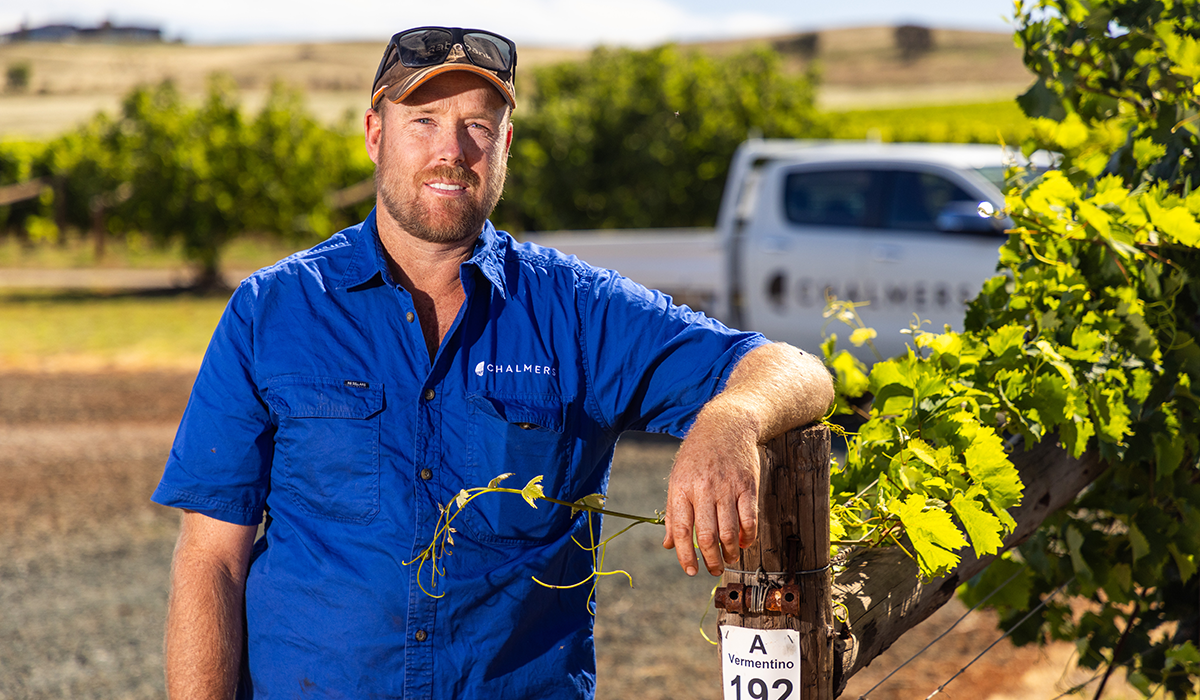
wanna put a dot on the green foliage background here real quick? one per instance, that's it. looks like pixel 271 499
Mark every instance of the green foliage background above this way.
pixel 1089 338
pixel 196 176
pixel 637 139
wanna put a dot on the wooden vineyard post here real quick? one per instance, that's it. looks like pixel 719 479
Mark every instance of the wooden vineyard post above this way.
pixel 783 581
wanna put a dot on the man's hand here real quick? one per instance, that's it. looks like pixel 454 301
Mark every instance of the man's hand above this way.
pixel 713 489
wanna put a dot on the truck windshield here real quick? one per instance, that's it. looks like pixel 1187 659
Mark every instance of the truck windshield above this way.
pixel 994 175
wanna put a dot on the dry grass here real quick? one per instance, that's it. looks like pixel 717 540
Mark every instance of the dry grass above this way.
pixel 70 82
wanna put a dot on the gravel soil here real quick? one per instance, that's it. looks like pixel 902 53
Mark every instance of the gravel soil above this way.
pixel 85 556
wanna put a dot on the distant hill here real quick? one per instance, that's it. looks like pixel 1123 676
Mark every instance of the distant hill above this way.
pixel 859 67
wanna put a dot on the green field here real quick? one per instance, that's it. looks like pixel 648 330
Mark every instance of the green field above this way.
pixel 989 122
pixel 95 333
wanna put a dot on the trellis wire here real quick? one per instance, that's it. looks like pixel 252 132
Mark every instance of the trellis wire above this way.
pixel 1002 637
pixel 1076 688
pixel 1089 681
pixel 943 634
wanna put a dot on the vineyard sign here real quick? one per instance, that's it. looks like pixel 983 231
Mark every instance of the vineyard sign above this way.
pixel 760 664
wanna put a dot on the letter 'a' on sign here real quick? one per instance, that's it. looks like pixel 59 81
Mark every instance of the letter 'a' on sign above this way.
pixel 760 664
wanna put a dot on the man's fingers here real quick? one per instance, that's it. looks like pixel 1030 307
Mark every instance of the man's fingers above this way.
pixel 669 537
pixel 679 535
pixel 709 541
pixel 730 528
pixel 748 518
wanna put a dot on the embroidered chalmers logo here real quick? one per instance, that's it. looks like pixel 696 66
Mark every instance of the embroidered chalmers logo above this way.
pixel 488 368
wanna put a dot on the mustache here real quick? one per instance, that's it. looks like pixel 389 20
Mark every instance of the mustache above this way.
pixel 449 172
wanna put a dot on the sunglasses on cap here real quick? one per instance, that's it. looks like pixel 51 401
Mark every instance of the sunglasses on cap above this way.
pixel 412 56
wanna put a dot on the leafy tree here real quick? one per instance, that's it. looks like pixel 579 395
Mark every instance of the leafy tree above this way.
pixel 17 76
pixel 294 164
pixel 1116 86
pixel 204 175
pixel 17 164
pixel 187 169
pixel 644 138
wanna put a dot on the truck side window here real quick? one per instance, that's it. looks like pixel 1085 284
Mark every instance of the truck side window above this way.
pixel 916 199
pixel 829 198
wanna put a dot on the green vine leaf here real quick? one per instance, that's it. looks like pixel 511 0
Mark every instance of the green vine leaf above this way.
pixel 496 481
pixel 932 533
pixel 533 491
pixel 593 501
pixel 982 527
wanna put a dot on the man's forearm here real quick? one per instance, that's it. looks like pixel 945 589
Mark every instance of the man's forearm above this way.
pixel 205 614
pixel 773 389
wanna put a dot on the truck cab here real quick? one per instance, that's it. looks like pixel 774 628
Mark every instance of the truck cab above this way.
pixel 895 228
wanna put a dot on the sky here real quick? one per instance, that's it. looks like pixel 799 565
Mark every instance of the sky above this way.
pixel 565 23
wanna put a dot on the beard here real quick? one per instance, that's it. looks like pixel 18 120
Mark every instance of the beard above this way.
pixel 438 221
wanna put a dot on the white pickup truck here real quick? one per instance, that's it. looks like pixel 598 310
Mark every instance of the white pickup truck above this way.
pixel 895 225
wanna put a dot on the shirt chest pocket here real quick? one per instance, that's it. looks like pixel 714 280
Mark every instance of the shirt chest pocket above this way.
pixel 524 436
pixel 327 445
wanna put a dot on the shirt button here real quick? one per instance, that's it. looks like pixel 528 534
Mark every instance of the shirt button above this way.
pixel 429 394
pixel 410 316
pixel 427 474
pixel 420 636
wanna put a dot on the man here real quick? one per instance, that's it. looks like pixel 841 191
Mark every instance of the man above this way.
pixel 351 389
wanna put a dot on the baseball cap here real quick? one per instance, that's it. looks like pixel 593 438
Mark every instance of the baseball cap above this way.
pixel 416 55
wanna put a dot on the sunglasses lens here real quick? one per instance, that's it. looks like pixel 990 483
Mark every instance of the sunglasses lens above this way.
pixel 425 47
pixel 488 51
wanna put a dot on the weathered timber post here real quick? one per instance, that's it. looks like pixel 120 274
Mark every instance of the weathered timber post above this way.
pixel 783 581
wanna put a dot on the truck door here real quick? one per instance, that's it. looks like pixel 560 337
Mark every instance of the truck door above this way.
pixel 868 233
pixel 916 263
pixel 805 243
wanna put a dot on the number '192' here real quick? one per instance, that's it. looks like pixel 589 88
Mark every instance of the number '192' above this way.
pixel 757 688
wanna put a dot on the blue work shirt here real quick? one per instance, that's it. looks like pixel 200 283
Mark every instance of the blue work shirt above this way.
pixel 318 402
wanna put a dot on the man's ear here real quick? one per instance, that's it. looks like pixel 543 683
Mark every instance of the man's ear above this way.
pixel 373 133
pixel 508 139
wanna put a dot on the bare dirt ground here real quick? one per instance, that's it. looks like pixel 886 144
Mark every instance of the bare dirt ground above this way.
pixel 84 560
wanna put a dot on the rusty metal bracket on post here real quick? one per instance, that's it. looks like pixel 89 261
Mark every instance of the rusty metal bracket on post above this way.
pixel 738 598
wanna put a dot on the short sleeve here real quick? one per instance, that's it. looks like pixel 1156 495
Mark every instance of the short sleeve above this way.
pixel 220 463
pixel 652 365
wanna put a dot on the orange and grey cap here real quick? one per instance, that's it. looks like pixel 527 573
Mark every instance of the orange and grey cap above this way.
pixel 416 55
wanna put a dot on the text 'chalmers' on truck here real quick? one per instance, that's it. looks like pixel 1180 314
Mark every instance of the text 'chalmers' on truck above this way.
pixel 902 227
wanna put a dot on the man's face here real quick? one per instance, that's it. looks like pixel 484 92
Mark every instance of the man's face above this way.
pixel 441 157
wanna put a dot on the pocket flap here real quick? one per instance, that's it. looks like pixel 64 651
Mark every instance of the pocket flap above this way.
pixel 324 397
pixel 544 412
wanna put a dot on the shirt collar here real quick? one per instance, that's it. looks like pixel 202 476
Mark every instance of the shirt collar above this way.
pixel 368 262
pixel 488 258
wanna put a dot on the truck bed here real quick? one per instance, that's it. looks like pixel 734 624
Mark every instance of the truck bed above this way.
pixel 685 263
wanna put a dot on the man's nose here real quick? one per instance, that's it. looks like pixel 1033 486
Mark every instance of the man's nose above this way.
pixel 452 146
